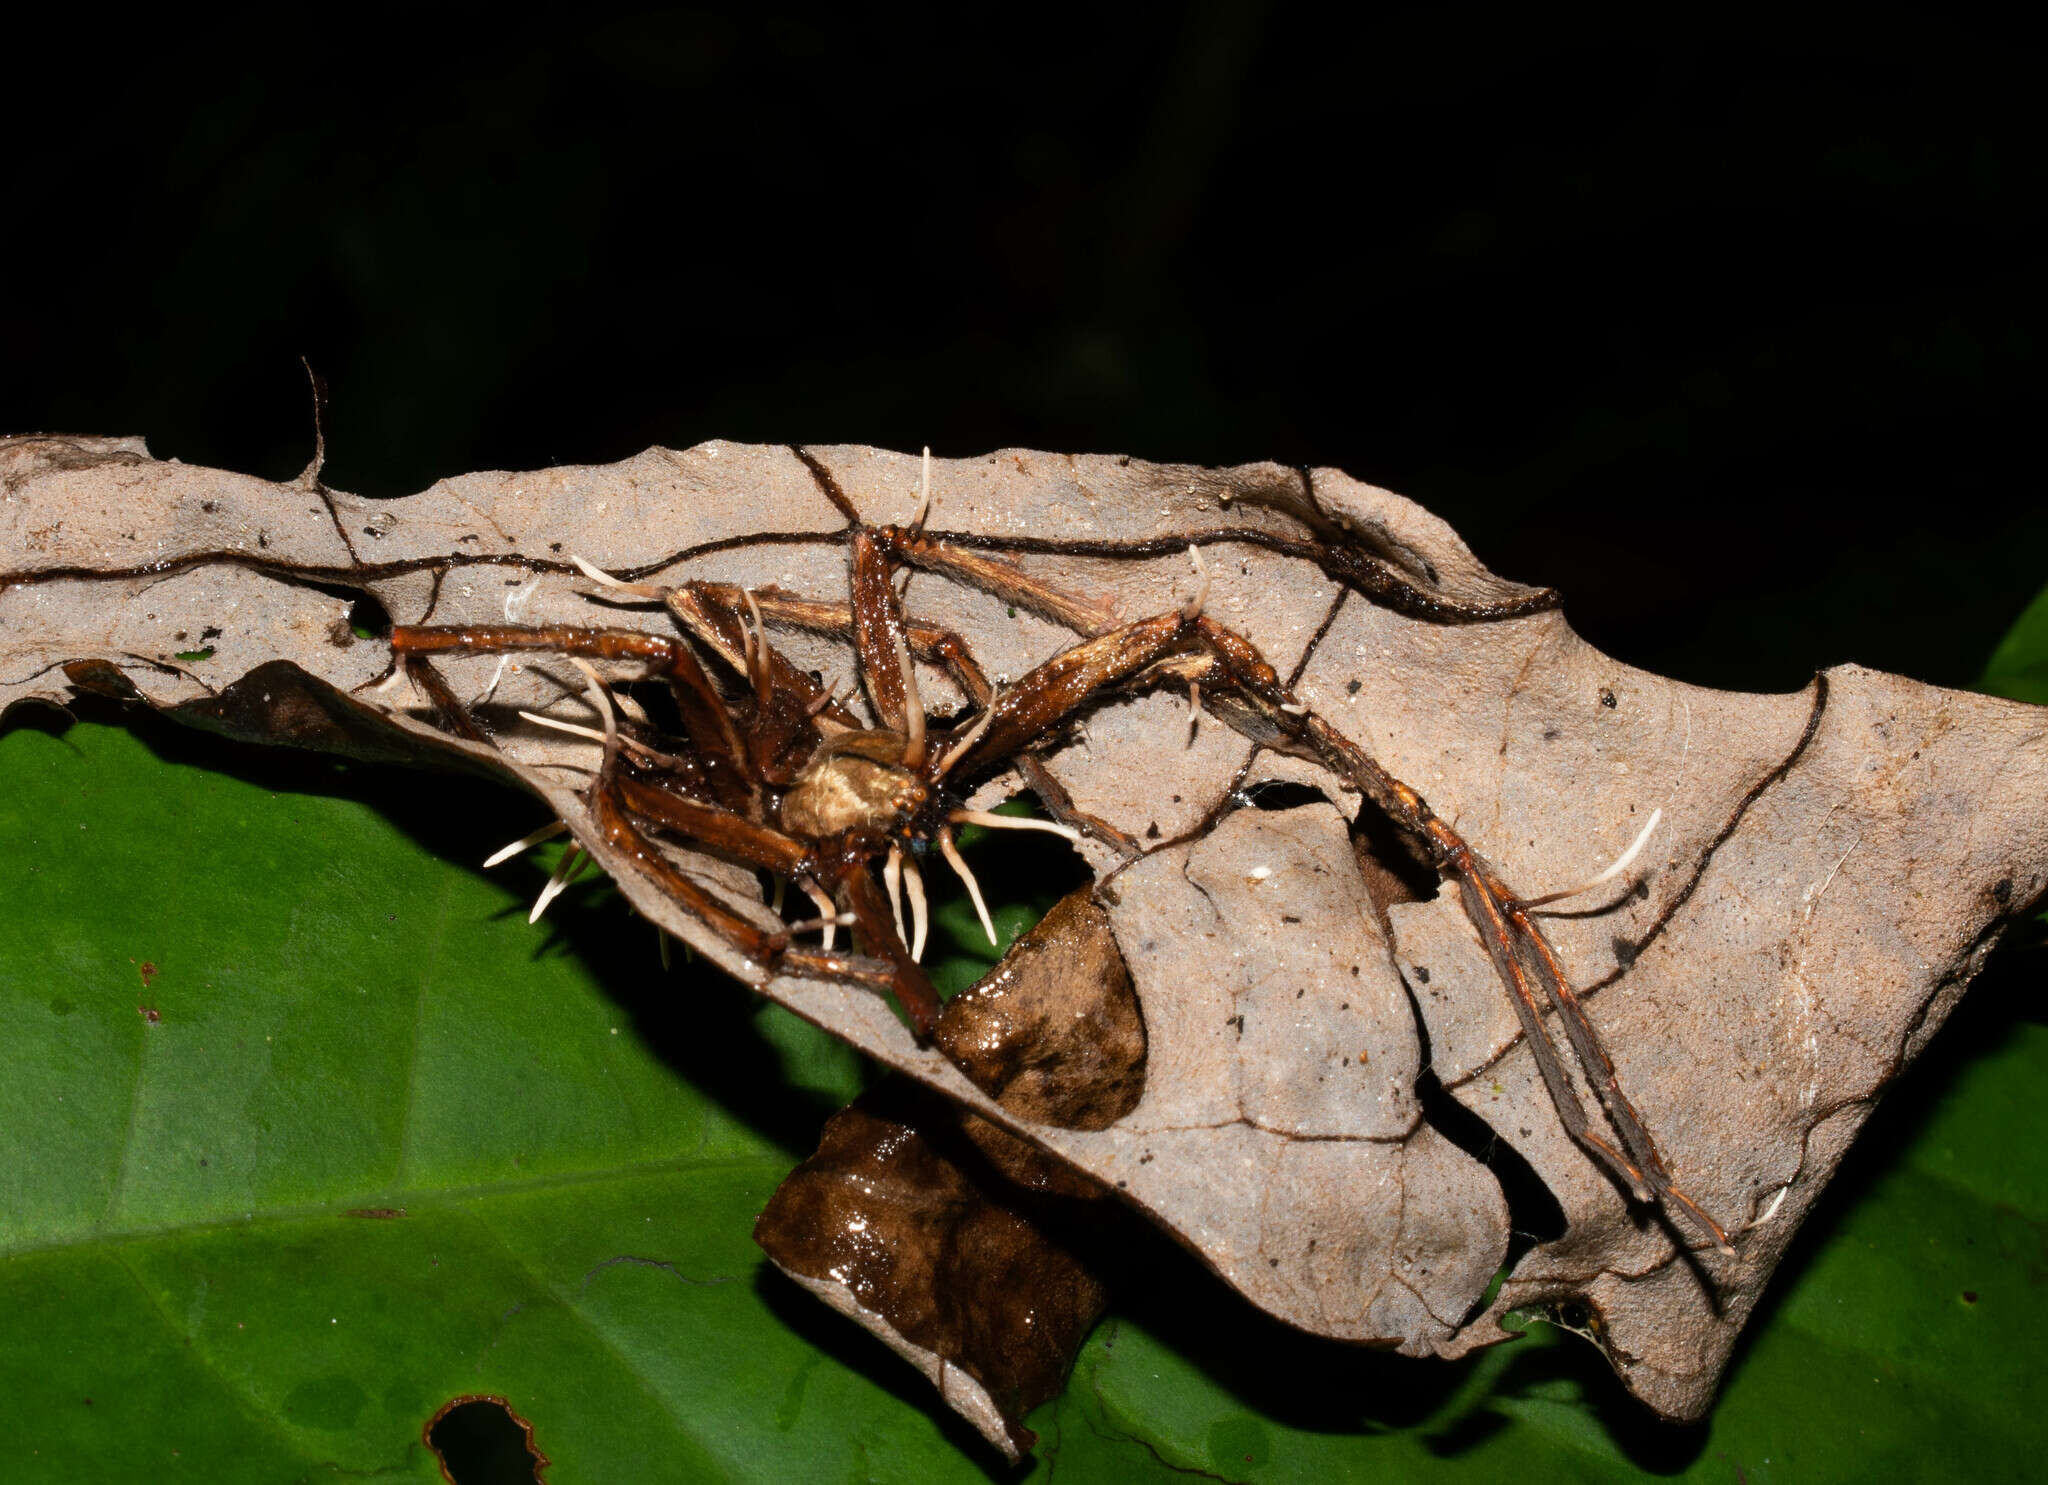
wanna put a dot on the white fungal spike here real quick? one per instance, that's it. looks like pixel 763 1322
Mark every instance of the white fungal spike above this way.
pixel 604 579
pixel 953 859
pixel 601 699
pixel 524 843
pixel 990 821
pixel 823 925
pixel 920 920
pixel 1193 608
pixel 576 729
pixel 966 744
pixel 924 492
pixel 913 707
pixel 759 670
pixel 1619 865
pixel 825 908
pixel 564 870
pixel 824 699
pixel 892 879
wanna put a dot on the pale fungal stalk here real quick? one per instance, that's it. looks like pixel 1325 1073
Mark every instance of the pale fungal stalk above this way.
pixel 819 703
pixel 1192 610
pixel 913 707
pixel 892 879
pixel 525 843
pixel 959 864
pixel 825 908
pixel 604 579
pixel 989 821
pixel 601 699
pixel 966 744
pixel 558 883
pixel 760 669
pixel 913 884
pixel 823 926
pixel 924 492
pixel 1619 865
pixel 577 729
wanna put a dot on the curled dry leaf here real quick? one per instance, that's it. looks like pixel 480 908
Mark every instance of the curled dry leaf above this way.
pixel 1828 870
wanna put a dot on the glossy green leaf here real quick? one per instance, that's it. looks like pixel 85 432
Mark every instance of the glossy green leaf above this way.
pixel 2019 666
pixel 259 1004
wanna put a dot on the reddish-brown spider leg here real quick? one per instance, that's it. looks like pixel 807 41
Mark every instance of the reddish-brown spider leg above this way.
pixel 1503 923
pixel 993 575
pixel 770 950
pixel 789 708
pixel 459 719
pixel 771 850
pixel 705 722
pixel 1512 939
pixel 1068 681
pixel 879 638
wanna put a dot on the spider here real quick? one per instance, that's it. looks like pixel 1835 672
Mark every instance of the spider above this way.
pixel 772 770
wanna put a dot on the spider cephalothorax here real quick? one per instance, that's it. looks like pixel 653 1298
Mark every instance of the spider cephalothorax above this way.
pixel 771 771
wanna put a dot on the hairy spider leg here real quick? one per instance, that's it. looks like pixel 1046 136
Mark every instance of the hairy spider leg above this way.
pixel 1514 942
pixel 1056 689
pixel 879 642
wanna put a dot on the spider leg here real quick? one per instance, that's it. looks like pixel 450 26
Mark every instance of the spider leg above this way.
pixel 770 950
pixel 454 715
pixel 706 722
pixel 790 710
pixel 928 642
pixel 879 640
pixel 1237 681
pixel 912 989
pixel 991 574
pixel 727 835
pixel 1070 680
pixel 1517 946
pixel 968 558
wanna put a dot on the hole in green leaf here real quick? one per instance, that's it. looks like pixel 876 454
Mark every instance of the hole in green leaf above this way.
pixel 481 1441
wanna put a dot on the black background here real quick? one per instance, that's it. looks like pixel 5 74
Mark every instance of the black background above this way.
pixel 1729 325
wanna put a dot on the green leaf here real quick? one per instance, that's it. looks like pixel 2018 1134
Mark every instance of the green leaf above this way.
pixel 2019 666
pixel 257 1002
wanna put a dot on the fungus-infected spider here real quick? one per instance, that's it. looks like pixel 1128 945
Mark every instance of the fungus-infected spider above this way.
pixel 772 771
